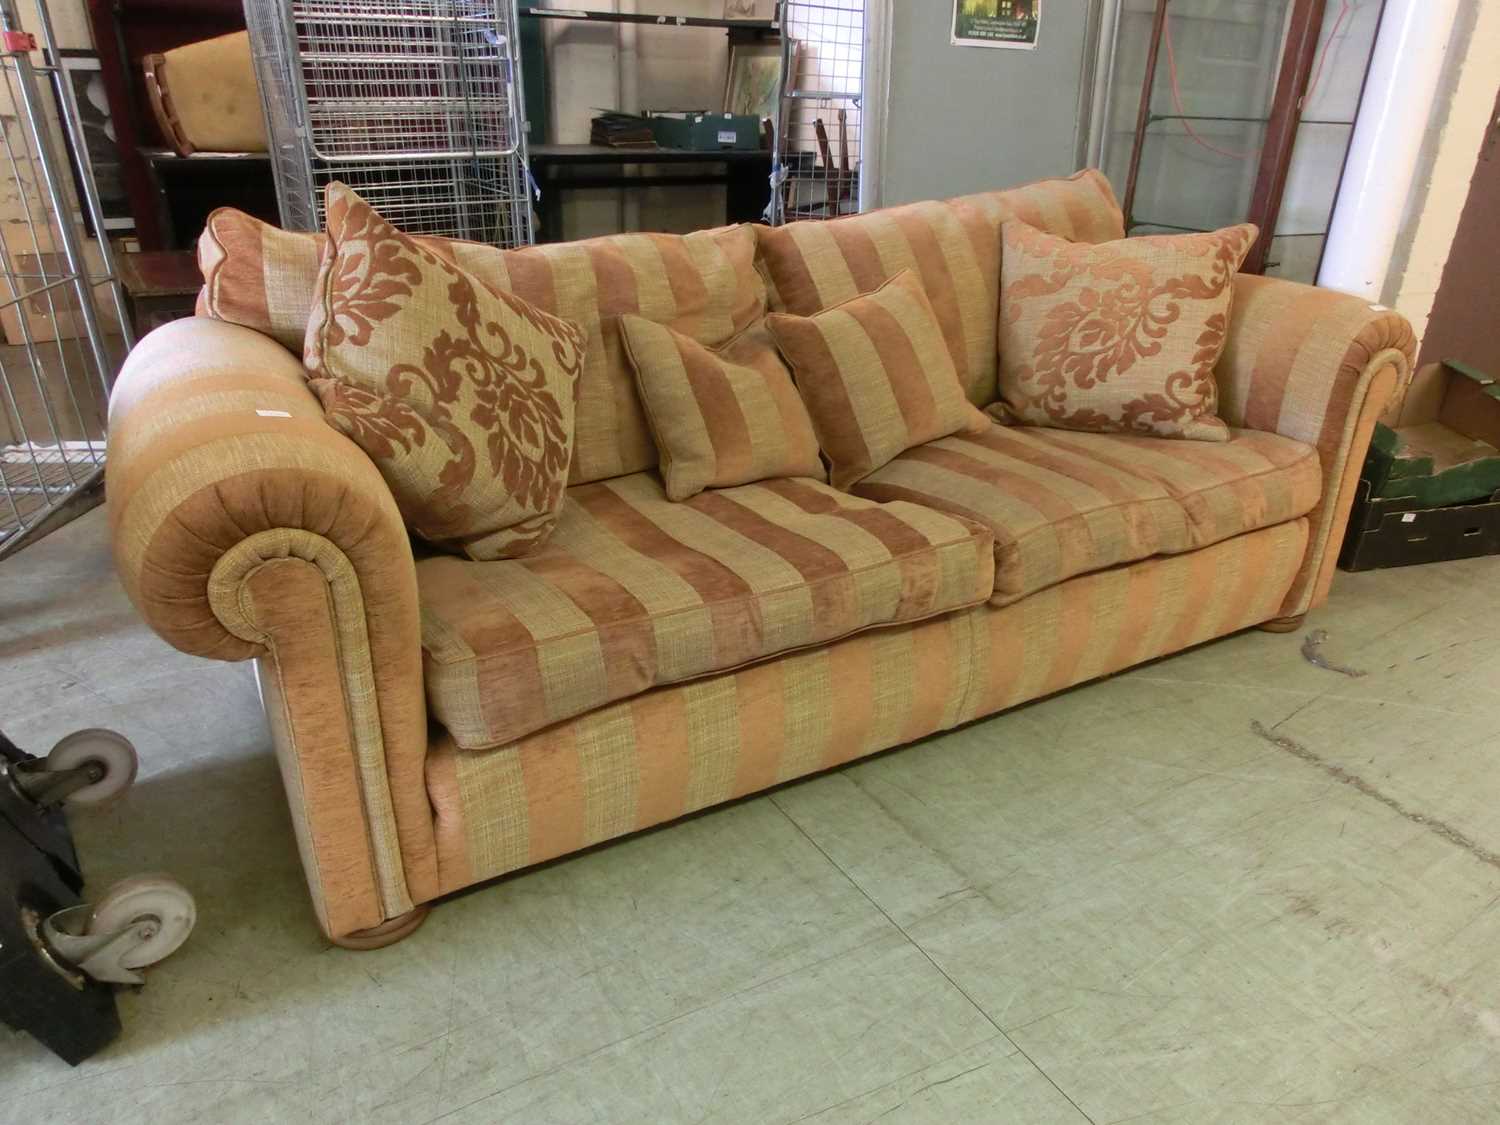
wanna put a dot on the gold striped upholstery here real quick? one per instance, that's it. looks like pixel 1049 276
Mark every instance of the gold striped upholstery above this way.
pixel 677 749
pixel 876 376
pixel 723 417
pixel 954 247
pixel 1081 207
pixel 1317 366
pixel 634 590
pixel 704 285
pixel 1062 503
pixel 244 526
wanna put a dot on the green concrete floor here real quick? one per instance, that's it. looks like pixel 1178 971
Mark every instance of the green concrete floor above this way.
pixel 1226 887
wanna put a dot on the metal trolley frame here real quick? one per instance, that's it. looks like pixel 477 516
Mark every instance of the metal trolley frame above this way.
pixel 54 383
pixel 416 104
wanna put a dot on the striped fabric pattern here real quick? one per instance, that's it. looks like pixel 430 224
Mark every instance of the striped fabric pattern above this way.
pixel 1061 503
pixel 1317 366
pixel 954 247
pixel 1081 207
pixel 721 417
pixel 634 591
pixel 258 275
pixel 227 494
pixel 686 747
pixel 704 285
pixel 876 376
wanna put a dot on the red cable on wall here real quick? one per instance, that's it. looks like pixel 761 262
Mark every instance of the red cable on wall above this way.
pixel 1345 7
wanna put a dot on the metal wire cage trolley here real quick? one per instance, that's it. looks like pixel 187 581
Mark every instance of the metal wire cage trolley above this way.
pixel 416 104
pixel 56 370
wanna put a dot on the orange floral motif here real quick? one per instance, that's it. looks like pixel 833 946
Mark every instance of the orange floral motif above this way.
pixel 1120 336
pixel 495 383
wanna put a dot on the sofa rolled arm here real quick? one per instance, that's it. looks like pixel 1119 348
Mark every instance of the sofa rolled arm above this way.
pixel 231 501
pixel 1319 366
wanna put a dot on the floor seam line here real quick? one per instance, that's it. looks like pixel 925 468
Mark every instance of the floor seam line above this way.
pixel 929 959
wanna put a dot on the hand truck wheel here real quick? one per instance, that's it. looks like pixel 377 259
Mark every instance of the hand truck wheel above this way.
pixel 89 767
pixel 138 922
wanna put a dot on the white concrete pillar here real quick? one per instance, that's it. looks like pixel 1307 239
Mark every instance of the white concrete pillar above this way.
pixel 1394 115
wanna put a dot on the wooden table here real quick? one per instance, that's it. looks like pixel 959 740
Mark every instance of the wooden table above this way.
pixel 160 285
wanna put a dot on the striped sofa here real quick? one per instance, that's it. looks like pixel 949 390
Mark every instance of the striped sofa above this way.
pixel 440 722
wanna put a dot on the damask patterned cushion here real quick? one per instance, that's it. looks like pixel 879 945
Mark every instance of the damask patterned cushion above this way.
pixel 722 417
pixel 1120 337
pixel 876 375
pixel 462 395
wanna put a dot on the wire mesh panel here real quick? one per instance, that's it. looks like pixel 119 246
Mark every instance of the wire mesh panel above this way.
pixel 416 104
pixel 56 364
pixel 818 142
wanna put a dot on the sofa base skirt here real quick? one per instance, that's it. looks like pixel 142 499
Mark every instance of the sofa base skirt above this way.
pixel 679 749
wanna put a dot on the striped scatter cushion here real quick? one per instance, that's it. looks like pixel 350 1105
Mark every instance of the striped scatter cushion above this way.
pixel 876 376
pixel 672 751
pixel 1120 337
pixel 704 284
pixel 258 275
pixel 634 590
pixel 723 417
pixel 952 245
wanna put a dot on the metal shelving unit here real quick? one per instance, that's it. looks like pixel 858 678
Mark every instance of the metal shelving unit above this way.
pixel 643 17
pixel 818 129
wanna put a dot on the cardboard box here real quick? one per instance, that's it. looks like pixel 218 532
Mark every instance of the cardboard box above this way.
pixel 1430 487
pixel 706 132
pixel 52 314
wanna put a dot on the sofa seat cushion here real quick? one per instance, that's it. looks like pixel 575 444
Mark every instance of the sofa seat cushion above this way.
pixel 634 591
pixel 1062 503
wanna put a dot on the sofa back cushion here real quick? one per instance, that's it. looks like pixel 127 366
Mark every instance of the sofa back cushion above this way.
pixel 258 275
pixel 952 245
pixel 704 285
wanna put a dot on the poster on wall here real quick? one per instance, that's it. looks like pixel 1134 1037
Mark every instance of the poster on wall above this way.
pixel 82 70
pixel 995 23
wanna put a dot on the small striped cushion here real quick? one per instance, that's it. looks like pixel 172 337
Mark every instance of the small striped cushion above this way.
pixel 703 284
pixel 876 376
pixel 722 417
pixel 634 591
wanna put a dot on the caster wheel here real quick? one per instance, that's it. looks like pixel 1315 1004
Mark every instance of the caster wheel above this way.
pixel 157 908
pixel 109 759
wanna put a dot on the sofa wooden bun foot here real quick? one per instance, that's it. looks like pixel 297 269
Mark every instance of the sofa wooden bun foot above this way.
pixel 672 632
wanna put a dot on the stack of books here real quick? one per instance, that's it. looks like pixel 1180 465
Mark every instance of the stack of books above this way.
pixel 621 130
